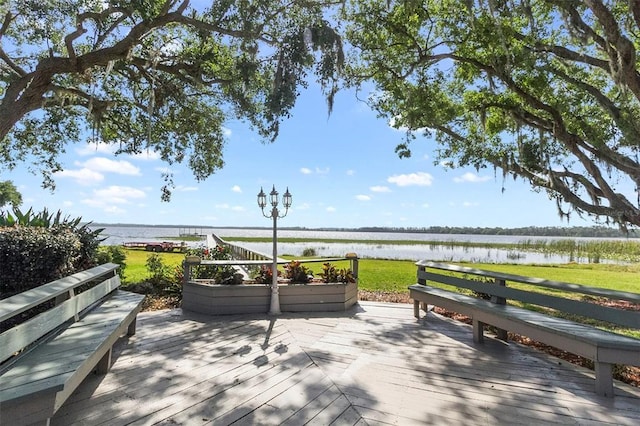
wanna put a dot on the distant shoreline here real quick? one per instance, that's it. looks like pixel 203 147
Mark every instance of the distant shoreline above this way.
pixel 547 231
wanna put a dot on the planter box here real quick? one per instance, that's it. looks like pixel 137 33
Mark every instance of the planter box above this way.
pixel 256 298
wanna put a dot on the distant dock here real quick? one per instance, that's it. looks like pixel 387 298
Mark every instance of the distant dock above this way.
pixel 192 232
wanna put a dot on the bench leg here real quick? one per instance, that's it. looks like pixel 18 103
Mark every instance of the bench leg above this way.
pixel 416 309
pixel 604 379
pixel 502 335
pixel 478 330
pixel 132 327
pixel 104 364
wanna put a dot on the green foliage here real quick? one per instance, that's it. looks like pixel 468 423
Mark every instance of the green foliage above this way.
pixel 527 87
pixel 89 239
pixel 221 274
pixel 112 254
pixel 32 256
pixel 36 248
pixel 331 274
pixel 161 280
pixel 155 75
pixel 309 252
pixel 297 273
pixel 136 264
pixel 9 194
pixel 158 271
pixel 263 274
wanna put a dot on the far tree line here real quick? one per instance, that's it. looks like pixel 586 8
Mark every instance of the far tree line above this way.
pixel 534 231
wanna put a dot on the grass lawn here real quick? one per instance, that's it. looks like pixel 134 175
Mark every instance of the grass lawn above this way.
pixel 397 275
pixel 136 269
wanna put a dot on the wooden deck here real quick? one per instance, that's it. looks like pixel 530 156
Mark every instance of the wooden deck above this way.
pixel 374 364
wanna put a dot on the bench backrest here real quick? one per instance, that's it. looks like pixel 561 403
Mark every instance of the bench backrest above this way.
pixel 500 292
pixel 68 306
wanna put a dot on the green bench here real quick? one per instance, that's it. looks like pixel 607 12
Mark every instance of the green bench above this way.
pixel 44 359
pixel 604 348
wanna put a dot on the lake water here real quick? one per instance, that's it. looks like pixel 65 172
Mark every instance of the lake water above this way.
pixel 446 253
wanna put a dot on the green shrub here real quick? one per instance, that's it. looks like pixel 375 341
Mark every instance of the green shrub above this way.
pixel 32 256
pixel 158 271
pixel 309 252
pixel 263 275
pixel 36 248
pixel 112 254
pixel 221 274
pixel 330 274
pixel 163 280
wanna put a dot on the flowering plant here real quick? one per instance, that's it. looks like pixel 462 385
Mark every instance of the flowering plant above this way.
pixel 297 273
pixel 221 274
pixel 264 275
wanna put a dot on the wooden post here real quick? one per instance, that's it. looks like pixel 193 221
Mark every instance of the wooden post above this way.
pixel 604 378
pixel 421 281
pixel 189 261
pixel 354 264
pixel 478 330
pixel 501 333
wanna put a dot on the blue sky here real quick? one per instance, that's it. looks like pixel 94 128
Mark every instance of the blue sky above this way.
pixel 341 170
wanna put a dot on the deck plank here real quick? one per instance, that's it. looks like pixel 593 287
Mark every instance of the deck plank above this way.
pixel 374 364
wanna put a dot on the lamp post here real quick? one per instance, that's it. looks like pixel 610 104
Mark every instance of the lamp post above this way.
pixel 275 214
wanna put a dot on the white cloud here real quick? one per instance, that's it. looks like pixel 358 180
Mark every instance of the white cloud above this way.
pixel 363 197
pixel 172 47
pixel 351 172
pixel 119 194
pixel 146 155
pixel 412 179
pixel 446 163
pixel 222 206
pixel 91 171
pixel 83 176
pixel 471 177
pixel 102 164
pixel 165 170
pixel 182 188
pixel 469 204
pixel 96 148
pixel 113 210
pixel 237 208
pixel 226 132
pixel 236 188
pixel 107 198
pixel 331 209
pixel 317 170
pixel 380 188
pixel 303 206
pixel 425 205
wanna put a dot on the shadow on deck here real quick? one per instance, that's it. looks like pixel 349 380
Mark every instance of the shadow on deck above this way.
pixel 374 364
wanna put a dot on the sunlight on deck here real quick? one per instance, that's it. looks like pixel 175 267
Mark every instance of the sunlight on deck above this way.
pixel 374 364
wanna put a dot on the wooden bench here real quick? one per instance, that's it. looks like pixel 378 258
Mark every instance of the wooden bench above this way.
pixel 604 348
pixel 46 357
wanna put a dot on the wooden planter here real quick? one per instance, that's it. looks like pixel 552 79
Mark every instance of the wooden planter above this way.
pixel 255 298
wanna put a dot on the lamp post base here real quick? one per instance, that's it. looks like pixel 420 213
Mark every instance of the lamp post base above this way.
pixel 275 301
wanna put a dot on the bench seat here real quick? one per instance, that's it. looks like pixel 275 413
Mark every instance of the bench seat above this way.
pixel 34 384
pixel 603 347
